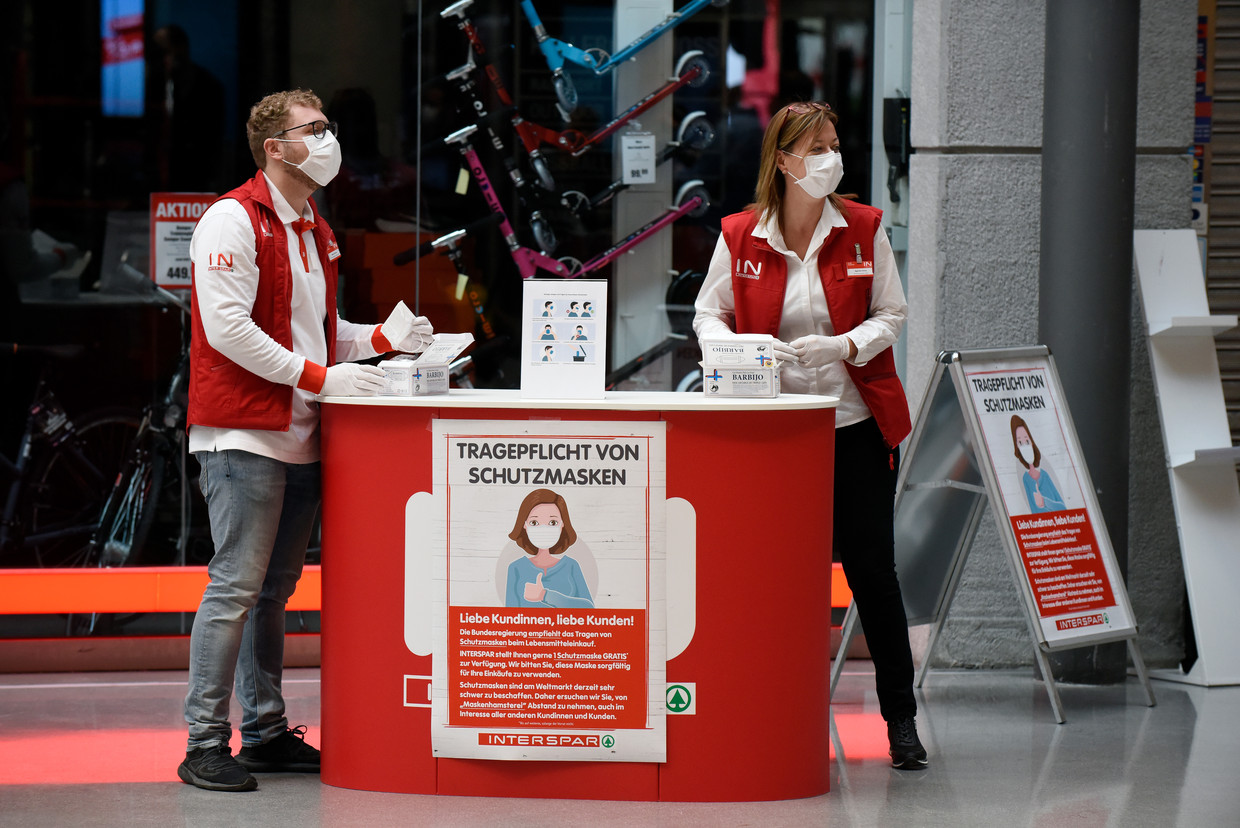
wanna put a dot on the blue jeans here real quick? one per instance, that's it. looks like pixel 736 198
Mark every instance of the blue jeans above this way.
pixel 262 512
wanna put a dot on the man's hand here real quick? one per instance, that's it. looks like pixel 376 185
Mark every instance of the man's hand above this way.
pixel 407 333
pixel 348 379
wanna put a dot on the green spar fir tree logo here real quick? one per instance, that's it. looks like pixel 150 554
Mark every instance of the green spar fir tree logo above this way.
pixel 678 698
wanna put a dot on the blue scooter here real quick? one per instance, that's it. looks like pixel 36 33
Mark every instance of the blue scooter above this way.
pixel 557 52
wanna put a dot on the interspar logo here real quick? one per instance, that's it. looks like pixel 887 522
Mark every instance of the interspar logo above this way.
pixel 1081 621
pixel 537 740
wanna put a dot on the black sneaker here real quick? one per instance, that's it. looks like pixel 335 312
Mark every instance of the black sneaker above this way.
pixel 215 769
pixel 286 753
pixel 906 750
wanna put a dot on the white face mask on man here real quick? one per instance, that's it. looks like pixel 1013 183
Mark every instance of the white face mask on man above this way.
pixel 323 162
pixel 822 173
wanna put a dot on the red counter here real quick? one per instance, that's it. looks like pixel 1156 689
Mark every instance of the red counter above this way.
pixel 758 474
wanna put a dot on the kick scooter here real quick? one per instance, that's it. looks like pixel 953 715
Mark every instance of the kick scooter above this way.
pixel 557 52
pixel 691 70
pixel 692 199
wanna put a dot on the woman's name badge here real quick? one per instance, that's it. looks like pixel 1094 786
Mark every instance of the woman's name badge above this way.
pixel 860 268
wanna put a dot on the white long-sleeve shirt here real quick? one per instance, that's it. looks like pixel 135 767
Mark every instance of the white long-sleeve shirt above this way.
pixel 224 304
pixel 805 311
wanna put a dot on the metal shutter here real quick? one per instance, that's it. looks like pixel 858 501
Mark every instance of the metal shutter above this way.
pixel 1222 178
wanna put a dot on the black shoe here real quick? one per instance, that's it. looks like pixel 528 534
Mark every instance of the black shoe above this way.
pixel 286 753
pixel 215 769
pixel 906 750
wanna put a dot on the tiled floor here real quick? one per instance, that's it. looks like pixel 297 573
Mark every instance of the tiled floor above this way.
pixel 102 749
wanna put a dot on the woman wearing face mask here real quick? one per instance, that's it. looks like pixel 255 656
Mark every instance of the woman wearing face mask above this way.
pixel 816 271
pixel 1040 489
pixel 545 577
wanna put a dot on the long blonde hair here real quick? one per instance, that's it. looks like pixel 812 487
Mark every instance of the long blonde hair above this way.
pixel 785 129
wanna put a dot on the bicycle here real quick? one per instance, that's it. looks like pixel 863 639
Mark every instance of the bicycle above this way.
pixel 61 476
pixel 129 511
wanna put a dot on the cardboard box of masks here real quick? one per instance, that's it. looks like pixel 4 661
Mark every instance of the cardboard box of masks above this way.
pixel 740 366
pixel 407 376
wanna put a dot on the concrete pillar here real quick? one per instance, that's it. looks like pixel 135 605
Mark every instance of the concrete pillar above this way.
pixel 974 254
pixel 1089 133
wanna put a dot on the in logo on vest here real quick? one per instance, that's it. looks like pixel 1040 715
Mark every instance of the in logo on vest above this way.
pixel 746 269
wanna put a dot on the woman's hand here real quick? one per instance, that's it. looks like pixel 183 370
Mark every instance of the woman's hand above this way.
pixel 815 351
pixel 535 591
pixel 785 352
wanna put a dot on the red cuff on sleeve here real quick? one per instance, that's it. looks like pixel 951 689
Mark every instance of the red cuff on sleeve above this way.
pixel 312 377
pixel 380 342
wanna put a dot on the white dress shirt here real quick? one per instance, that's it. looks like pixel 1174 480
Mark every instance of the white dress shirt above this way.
pixel 805 311
pixel 224 305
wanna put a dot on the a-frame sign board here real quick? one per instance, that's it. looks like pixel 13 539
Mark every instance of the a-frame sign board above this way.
pixel 994 428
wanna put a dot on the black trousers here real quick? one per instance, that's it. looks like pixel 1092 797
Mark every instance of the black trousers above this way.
pixel 864 538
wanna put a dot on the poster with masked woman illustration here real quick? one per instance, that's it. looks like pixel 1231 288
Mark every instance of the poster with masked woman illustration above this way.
pixel 550 623
pixel 1064 550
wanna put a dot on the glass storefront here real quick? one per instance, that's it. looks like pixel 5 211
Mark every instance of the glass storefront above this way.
pixel 108 101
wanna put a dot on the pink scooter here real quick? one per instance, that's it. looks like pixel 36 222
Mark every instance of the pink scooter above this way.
pixel 692 199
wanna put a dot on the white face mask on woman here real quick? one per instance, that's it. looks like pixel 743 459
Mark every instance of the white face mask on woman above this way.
pixel 323 162
pixel 1026 451
pixel 544 537
pixel 822 173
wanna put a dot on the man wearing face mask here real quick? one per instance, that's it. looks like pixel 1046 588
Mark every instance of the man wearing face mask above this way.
pixel 816 271
pixel 266 338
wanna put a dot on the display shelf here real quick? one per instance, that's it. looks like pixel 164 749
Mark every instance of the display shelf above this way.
pixel 1197 440
pixel 1210 326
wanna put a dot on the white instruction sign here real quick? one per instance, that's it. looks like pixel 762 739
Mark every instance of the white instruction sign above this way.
pixel 564 338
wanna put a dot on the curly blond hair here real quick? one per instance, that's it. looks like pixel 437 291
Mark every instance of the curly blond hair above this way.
pixel 270 115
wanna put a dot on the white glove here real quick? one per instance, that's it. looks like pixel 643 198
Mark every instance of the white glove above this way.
pixel 815 351
pixel 408 333
pixel 348 379
pixel 784 352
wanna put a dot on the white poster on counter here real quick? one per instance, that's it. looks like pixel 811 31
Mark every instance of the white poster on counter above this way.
pixel 564 338
pixel 549 600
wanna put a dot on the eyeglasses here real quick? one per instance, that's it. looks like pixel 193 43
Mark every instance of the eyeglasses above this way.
pixel 320 128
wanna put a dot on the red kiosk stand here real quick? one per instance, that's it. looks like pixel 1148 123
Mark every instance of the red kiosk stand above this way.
pixel 758 474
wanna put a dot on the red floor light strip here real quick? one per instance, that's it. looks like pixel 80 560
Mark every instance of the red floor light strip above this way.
pixel 49 757
pixel 168 589
pixel 140 589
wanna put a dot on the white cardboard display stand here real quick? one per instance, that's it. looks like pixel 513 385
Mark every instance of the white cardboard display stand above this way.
pixel 959 458
pixel 1201 460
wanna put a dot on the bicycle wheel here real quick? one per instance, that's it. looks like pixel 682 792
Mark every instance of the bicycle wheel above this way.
pixel 68 487
pixel 130 512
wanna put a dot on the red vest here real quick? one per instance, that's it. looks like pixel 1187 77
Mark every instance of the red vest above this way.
pixel 222 394
pixel 759 277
